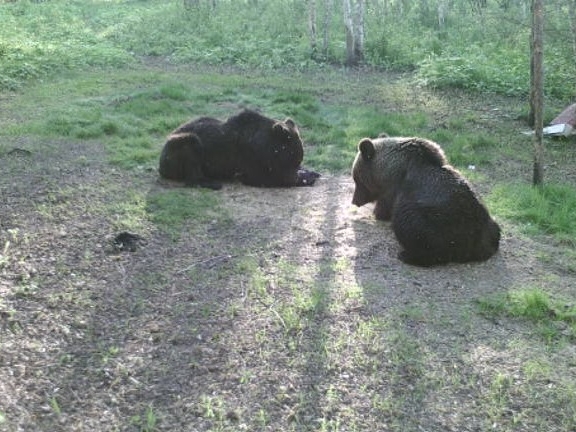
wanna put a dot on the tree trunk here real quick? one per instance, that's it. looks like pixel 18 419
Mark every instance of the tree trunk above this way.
pixel 349 28
pixel 572 9
pixel 312 27
pixel 354 26
pixel 442 9
pixel 359 30
pixel 327 22
pixel 537 89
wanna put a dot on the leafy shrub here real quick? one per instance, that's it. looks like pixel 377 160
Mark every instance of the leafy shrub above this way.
pixel 41 39
pixel 487 52
pixel 479 69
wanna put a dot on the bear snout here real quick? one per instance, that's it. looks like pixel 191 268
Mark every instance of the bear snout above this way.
pixel 361 196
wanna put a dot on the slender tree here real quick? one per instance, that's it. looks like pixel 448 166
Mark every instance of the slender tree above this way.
pixel 442 10
pixel 319 27
pixel 312 31
pixel 537 89
pixel 354 26
pixel 327 21
pixel 572 13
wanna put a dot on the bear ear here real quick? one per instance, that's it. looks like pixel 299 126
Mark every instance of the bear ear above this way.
pixel 279 127
pixel 290 123
pixel 282 130
pixel 383 135
pixel 366 148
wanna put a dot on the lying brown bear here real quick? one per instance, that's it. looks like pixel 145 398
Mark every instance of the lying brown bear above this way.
pixel 257 150
pixel 436 215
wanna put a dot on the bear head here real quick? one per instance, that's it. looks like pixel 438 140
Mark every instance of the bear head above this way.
pixel 381 164
pixel 286 142
pixel 363 173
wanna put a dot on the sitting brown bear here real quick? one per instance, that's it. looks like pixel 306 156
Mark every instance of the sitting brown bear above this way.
pixel 436 215
pixel 257 150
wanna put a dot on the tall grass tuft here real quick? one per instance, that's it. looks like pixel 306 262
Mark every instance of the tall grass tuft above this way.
pixel 549 209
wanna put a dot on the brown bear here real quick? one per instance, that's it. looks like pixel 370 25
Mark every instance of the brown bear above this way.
pixel 436 215
pixel 257 150
pixel 198 152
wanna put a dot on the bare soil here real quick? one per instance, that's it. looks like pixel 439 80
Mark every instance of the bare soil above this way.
pixel 288 310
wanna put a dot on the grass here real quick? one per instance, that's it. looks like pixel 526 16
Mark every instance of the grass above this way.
pixel 133 119
pixel 548 209
pixel 148 422
pixel 467 149
pixel 537 306
pixel 173 209
pixel 47 38
pixel 42 40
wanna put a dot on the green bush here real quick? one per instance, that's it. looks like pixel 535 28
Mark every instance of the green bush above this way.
pixel 476 51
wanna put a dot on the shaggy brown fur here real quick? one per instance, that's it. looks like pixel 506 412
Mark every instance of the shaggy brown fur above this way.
pixel 436 215
pixel 257 150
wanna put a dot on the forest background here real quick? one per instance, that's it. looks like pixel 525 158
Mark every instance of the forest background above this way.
pixel 475 44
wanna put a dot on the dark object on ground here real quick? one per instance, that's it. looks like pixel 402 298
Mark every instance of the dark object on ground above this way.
pixel 255 149
pixel 436 215
pixel 307 177
pixel 127 242
pixel 19 152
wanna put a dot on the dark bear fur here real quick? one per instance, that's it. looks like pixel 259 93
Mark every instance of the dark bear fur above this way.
pixel 257 150
pixel 436 215
pixel 198 153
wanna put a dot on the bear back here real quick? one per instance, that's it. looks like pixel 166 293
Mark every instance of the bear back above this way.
pixel 413 149
pixel 385 160
pixel 270 151
pixel 270 139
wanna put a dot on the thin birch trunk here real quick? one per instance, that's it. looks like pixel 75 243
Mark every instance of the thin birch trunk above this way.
pixel 537 90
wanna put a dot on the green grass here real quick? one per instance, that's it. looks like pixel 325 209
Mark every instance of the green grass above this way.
pixel 147 422
pixel 170 210
pixel 475 51
pixel 537 306
pixel 131 121
pixel 466 148
pixel 549 209
pixel 131 112
pixel 43 39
